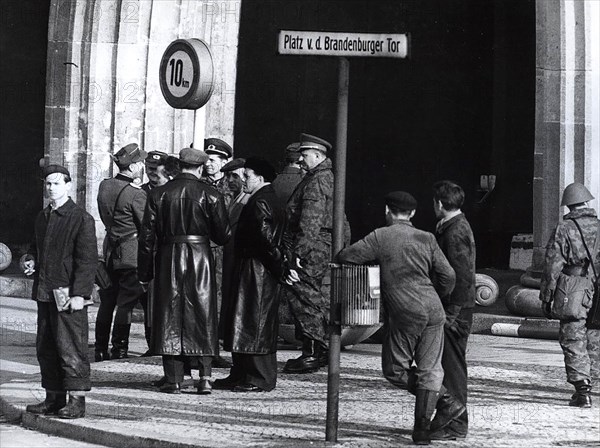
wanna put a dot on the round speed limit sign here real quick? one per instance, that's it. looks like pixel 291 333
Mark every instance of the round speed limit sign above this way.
pixel 187 74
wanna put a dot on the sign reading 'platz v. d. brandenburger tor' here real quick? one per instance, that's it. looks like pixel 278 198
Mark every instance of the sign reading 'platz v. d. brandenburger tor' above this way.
pixel 324 43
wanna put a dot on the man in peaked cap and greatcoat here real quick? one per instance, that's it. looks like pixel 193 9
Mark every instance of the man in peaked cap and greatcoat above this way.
pixel 307 240
pixel 121 203
pixel 175 253
pixel 413 271
pixel 63 256
pixel 566 254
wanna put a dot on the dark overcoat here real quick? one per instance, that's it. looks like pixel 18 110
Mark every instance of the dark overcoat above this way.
pixel 180 219
pixel 253 325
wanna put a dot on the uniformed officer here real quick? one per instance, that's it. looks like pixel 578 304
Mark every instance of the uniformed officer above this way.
pixel 307 240
pixel 155 170
pixel 566 253
pixel 121 203
pixel 291 175
pixel 219 154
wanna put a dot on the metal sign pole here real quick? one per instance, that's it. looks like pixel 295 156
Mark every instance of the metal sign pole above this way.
pixel 199 127
pixel 339 194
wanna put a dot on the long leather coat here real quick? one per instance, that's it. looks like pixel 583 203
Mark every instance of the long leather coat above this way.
pixel 252 327
pixel 180 219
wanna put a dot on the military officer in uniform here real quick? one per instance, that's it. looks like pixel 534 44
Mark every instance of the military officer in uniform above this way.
pixel 156 170
pixel 121 203
pixel 307 240
pixel 566 253
pixel 291 175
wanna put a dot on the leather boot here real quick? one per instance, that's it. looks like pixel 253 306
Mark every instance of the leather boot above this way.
pixel 102 333
pixel 582 396
pixel 51 405
pixel 147 336
pixel 448 408
pixel 75 408
pixel 120 341
pixel 323 356
pixel 307 362
pixel 424 407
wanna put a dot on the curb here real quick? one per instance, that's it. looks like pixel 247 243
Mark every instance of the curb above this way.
pixel 482 323
pixel 79 432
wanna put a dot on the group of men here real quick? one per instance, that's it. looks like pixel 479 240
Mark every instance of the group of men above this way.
pixel 205 216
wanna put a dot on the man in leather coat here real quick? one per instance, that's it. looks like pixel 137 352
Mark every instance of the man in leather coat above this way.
pixel 251 329
pixel 180 220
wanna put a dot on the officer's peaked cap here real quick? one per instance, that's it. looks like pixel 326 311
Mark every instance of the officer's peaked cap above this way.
pixel 156 158
pixel 308 141
pixel 218 147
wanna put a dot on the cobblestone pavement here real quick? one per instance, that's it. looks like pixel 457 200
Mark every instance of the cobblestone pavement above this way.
pixel 518 398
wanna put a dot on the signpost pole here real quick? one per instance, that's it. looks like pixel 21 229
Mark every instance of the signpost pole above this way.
pixel 339 194
pixel 199 127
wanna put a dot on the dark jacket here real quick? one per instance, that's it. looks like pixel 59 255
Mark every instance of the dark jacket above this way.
pixel 253 323
pixel 456 240
pixel 565 248
pixel 286 181
pixel 122 220
pixel 414 273
pixel 180 218
pixel 65 252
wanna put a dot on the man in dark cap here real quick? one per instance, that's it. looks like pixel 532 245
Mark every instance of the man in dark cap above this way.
pixel 566 255
pixel 219 153
pixel 251 329
pixel 155 170
pixel 308 246
pixel 234 170
pixel 455 238
pixel 292 173
pixel 413 268
pixel 175 253
pixel 63 259
pixel 121 203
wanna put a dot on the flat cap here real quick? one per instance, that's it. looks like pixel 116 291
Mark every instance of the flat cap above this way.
pixel 291 152
pixel 401 200
pixel 218 147
pixel 192 156
pixel 233 165
pixel 129 154
pixel 308 141
pixel 262 168
pixel 157 158
pixel 51 169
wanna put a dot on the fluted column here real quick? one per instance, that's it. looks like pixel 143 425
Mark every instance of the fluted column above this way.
pixel 567 134
pixel 102 81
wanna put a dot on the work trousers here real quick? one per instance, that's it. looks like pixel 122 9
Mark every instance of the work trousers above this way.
pixel 124 294
pixel 174 366
pixel 454 364
pixel 62 348
pixel 400 349
pixel 581 349
pixel 258 370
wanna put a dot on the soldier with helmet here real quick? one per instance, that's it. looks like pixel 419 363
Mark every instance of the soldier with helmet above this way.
pixel 566 253
pixel 121 203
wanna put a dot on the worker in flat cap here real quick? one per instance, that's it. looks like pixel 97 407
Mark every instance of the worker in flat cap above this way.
pixel 291 174
pixel 251 328
pixel 121 202
pixel 308 246
pixel 567 259
pixel 157 164
pixel 175 253
pixel 219 154
pixel 413 272
pixel 63 259
pixel 234 171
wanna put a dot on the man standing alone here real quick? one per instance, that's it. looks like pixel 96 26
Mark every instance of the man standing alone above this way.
pixel 180 220
pixel 64 256
pixel 455 238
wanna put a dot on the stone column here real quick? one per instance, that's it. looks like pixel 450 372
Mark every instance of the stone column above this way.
pixel 567 134
pixel 102 81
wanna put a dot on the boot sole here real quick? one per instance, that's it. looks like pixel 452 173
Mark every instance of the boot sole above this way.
pixel 301 371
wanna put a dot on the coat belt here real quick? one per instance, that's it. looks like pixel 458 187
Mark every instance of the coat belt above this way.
pixel 175 239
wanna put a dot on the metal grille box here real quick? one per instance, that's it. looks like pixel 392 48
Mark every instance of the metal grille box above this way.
pixel 357 289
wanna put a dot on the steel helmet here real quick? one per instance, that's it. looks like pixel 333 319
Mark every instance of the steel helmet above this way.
pixel 575 193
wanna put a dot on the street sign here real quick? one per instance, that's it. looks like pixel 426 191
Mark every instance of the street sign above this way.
pixel 187 74
pixel 325 43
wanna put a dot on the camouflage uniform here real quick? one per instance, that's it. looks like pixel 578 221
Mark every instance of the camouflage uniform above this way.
pixel 308 236
pixel 580 345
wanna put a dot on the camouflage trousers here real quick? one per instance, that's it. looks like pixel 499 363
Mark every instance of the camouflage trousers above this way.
pixel 308 305
pixel 581 348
